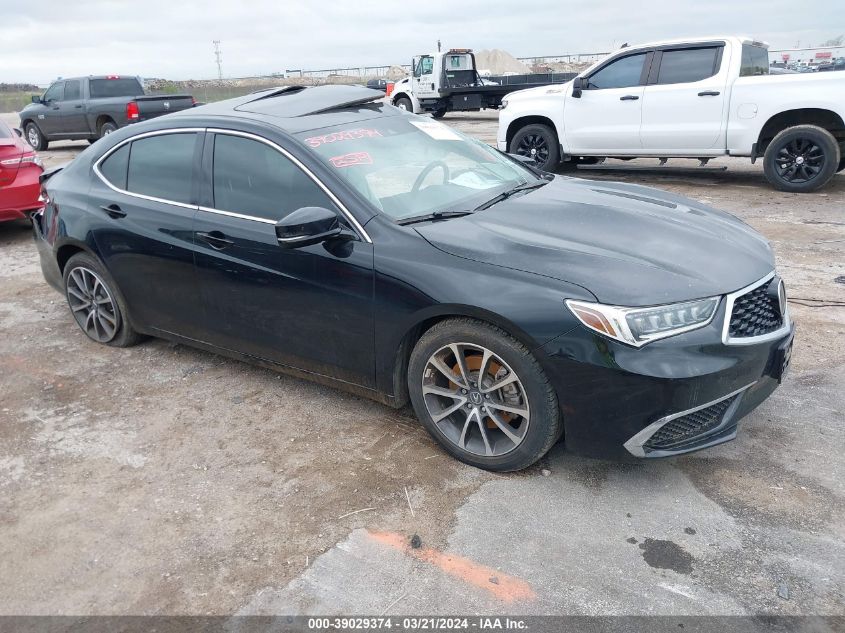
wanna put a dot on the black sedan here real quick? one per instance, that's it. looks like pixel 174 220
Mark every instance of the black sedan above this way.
pixel 327 234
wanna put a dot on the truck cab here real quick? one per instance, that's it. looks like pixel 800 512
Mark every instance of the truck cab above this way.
pixel 698 99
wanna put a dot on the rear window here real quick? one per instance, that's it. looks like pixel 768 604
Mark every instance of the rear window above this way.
pixel 115 166
pixel 101 88
pixel 755 61
pixel 161 166
pixel 687 65
pixel 5 130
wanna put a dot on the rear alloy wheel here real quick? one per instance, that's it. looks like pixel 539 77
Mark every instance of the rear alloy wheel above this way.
pixel 95 303
pixel 539 143
pixel 801 159
pixel 107 128
pixel 483 396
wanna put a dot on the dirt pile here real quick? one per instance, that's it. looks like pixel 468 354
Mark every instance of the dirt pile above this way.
pixel 499 62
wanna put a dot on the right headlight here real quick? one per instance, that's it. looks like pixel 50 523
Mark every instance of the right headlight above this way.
pixel 504 104
pixel 638 326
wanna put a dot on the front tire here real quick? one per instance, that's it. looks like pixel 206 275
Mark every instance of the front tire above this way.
pixel 35 137
pixel 404 103
pixel 801 159
pixel 483 396
pixel 96 303
pixel 538 142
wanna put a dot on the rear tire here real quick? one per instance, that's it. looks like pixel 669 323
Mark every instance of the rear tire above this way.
pixel 438 114
pixel 801 159
pixel 106 128
pixel 538 142
pixel 511 441
pixel 34 137
pixel 88 284
pixel 404 103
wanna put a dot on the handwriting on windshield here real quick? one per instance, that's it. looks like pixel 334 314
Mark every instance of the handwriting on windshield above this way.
pixel 355 158
pixel 345 135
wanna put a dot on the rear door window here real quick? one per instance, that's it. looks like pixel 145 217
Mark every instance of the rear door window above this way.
pixel 755 61
pixel 687 65
pixel 252 178
pixel 162 166
pixel 621 73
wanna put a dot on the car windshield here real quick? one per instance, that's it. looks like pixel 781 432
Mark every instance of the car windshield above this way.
pixel 5 131
pixel 409 165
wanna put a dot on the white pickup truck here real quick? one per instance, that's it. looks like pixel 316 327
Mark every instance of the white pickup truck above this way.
pixel 686 99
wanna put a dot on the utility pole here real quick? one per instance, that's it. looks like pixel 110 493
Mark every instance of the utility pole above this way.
pixel 218 56
pixel 438 45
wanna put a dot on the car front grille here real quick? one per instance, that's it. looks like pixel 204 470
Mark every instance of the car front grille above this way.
pixel 755 313
pixel 690 426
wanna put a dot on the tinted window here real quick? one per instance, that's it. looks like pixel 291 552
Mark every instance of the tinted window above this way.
pixel 55 92
pixel 115 166
pixel 161 166
pixel 115 88
pixel 755 61
pixel 73 91
pixel 254 179
pixel 687 65
pixel 622 73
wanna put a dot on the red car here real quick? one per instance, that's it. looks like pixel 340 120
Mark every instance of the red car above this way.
pixel 20 168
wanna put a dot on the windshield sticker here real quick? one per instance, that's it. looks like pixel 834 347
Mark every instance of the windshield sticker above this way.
pixel 355 158
pixel 436 130
pixel 345 135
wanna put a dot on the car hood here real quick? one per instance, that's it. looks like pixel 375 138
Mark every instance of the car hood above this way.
pixel 528 93
pixel 628 245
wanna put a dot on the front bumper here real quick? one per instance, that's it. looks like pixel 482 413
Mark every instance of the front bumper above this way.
pixel 616 399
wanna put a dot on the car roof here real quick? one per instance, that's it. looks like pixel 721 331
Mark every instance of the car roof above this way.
pixel 740 39
pixel 298 108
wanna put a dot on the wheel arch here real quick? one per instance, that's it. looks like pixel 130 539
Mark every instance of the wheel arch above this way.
pixel 70 247
pixel 422 322
pixel 531 119
pixel 102 120
pixel 823 118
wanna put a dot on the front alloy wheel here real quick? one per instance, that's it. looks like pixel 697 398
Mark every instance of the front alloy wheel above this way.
pixel 539 143
pixel 482 395
pixel 475 399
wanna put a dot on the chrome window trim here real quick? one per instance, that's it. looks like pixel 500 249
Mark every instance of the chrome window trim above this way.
pixel 359 229
pixel 96 166
pixel 730 299
pixel 635 444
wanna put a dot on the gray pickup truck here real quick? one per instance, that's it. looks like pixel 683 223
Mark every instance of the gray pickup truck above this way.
pixel 83 108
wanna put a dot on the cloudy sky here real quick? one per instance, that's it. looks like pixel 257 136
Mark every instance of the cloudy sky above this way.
pixel 173 38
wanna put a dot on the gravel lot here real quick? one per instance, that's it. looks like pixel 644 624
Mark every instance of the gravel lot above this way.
pixel 163 480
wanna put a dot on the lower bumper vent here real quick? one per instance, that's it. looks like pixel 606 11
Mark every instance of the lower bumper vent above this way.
pixel 691 426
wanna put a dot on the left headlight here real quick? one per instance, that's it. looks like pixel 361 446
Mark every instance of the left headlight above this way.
pixel 638 326
pixel 504 104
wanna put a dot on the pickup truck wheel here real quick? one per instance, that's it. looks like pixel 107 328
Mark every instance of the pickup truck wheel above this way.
pixel 404 103
pixel 801 159
pixel 107 128
pixel 34 137
pixel 539 143
pixel 842 159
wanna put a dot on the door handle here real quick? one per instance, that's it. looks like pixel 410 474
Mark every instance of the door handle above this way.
pixel 709 93
pixel 215 239
pixel 629 98
pixel 113 211
pixel 78 105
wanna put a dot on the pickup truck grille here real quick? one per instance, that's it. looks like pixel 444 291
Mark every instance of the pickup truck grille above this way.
pixel 755 313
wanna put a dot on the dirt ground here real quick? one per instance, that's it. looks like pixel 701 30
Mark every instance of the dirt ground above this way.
pixel 163 480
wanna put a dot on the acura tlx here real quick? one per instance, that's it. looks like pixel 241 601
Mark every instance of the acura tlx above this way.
pixel 330 235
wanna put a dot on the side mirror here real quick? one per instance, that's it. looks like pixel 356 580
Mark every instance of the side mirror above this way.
pixel 309 225
pixel 36 98
pixel 577 87
pixel 18 132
